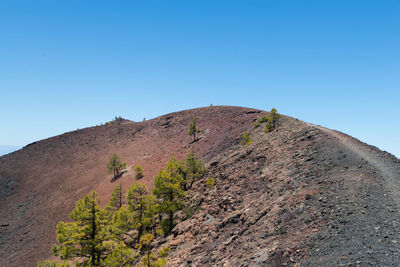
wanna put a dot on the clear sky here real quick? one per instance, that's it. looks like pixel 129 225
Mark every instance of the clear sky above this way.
pixel 72 64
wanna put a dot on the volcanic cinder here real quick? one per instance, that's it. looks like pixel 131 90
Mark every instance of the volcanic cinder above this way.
pixel 302 195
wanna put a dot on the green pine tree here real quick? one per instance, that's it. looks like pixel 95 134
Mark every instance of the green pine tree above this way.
pixel 149 258
pixel 246 139
pixel 121 255
pixel 139 201
pixel 168 189
pixel 83 238
pixel 116 201
pixel 137 215
pixel 139 172
pixel 120 229
pixel 194 169
pixel 193 129
pixel 115 166
pixel 272 120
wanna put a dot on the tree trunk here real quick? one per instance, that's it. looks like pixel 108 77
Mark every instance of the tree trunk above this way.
pixel 140 230
pixel 191 183
pixel 120 196
pixel 171 213
pixel 171 220
pixel 93 235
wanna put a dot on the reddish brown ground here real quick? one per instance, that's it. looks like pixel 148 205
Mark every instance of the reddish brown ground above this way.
pixel 40 184
pixel 302 195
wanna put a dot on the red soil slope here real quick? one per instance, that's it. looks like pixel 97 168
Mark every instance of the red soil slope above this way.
pixel 40 183
pixel 302 195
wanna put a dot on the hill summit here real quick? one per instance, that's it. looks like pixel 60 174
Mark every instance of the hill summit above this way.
pixel 300 195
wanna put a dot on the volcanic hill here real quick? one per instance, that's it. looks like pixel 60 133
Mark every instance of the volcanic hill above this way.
pixel 301 195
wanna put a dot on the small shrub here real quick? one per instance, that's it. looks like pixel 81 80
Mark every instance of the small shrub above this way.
pixel 210 182
pixel 190 211
pixel 139 172
pixel 246 139
pixel 260 120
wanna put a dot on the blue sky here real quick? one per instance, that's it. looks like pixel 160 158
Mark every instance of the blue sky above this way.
pixel 72 64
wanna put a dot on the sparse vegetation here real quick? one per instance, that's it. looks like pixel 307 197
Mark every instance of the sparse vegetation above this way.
pixel 191 169
pixel 138 172
pixel 246 139
pixel 128 230
pixel 210 182
pixel 115 166
pixel 193 129
pixel 260 120
pixel 190 211
pixel 123 234
pixel 272 120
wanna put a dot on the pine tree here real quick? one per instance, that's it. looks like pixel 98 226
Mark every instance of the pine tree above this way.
pixel 139 201
pixel 193 129
pixel 121 255
pixel 120 230
pixel 137 215
pixel 194 169
pixel 149 220
pixel 149 258
pixel 246 139
pixel 272 120
pixel 115 166
pixel 83 238
pixel 116 201
pixel 260 120
pixel 168 189
pixel 139 172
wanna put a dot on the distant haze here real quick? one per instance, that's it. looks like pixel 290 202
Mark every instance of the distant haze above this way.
pixel 8 149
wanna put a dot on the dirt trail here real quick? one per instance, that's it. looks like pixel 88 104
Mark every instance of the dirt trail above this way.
pixel 389 170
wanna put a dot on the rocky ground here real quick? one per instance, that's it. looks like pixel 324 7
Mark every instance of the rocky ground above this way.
pixel 302 195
